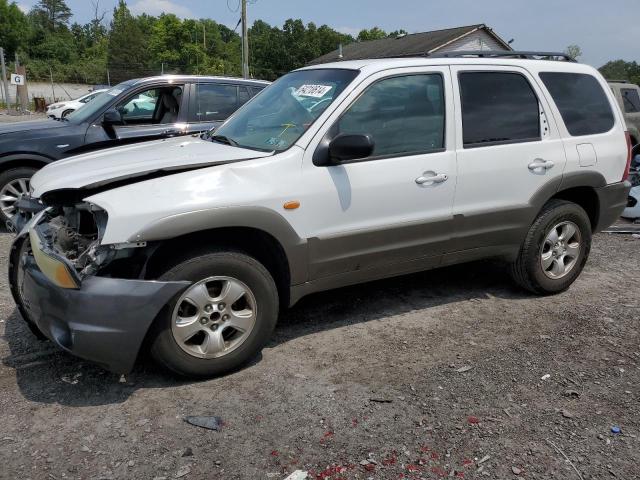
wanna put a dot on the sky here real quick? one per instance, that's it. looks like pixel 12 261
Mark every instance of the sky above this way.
pixel 605 30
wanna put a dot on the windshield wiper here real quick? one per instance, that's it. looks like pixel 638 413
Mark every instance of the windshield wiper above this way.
pixel 225 140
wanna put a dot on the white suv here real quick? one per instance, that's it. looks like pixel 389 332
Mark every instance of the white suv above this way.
pixel 335 174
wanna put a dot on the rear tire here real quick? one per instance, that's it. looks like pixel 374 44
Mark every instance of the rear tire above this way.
pixel 192 337
pixel 555 249
pixel 13 182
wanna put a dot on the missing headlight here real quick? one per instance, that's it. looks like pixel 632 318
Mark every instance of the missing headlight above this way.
pixel 75 232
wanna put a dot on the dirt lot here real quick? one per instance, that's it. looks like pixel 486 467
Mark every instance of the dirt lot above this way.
pixel 374 373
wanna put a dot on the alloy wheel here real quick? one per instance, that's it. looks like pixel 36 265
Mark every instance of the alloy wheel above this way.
pixel 560 250
pixel 214 317
pixel 10 193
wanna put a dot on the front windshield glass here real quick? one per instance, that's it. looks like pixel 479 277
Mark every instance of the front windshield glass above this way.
pixel 94 106
pixel 279 115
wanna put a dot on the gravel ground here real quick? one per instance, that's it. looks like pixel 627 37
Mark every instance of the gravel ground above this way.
pixel 453 372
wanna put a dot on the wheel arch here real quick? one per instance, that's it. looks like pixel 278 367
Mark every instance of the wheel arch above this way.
pixel 257 243
pixel 579 188
pixel 259 231
pixel 16 160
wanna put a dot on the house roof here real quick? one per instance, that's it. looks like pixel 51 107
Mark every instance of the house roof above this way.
pixel 415 44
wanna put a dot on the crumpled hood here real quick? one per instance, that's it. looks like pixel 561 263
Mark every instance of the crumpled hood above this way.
pixel 30 126
pixel 137 160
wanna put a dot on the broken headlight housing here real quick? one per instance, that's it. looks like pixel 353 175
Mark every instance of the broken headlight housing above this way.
pixel 71 235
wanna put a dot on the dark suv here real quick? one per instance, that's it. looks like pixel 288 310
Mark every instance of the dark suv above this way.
pixel 133 111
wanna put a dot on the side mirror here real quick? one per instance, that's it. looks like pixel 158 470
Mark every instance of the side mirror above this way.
pixel 347 147
pixel 112 117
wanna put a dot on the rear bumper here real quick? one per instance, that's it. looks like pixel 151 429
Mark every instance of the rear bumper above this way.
pixel 105 321
pixel 613 200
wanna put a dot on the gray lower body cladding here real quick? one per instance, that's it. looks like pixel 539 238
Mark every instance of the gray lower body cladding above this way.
pixel 612 200
pixel 105 321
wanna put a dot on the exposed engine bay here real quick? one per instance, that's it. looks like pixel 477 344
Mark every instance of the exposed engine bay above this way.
pixel 74 233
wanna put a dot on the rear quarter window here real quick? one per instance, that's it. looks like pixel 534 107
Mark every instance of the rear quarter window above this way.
pixel 582 102
pixel 630 99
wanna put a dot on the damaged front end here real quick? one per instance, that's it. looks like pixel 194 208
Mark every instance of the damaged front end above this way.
pixel 68 288
pixel 71 236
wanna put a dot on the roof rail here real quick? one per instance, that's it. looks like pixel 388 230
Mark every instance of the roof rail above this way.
pixel 506 54
pixel 611 80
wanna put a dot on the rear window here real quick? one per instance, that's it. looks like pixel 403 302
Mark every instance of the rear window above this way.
pixel 631 100
pixel 498 108
pixel 582 102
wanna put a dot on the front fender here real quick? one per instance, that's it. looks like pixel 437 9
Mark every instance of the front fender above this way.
pixel 260 218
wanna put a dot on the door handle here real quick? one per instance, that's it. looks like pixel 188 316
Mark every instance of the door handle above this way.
pixel 540 163
pixel 171 132
pixel 429 178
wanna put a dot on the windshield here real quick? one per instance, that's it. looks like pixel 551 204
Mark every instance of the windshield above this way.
pixel 91 108
pixel 279 115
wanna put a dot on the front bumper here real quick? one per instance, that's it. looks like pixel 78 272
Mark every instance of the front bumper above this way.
pixel 612 200
pixel 104 321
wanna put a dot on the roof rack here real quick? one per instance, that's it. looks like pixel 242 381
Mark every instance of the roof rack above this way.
pixel 506 54
pixel 611 80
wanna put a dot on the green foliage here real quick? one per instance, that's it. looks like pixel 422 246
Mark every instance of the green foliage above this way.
pixel 574 51
pixel 374 33
pixel 51 14
pixel 14 27
pixel 134 46
pixel 621 70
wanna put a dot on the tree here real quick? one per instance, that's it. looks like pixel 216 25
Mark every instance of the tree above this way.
pixel 621 70
pixel 96 27
pixel 127 55
pixel 14 27
pixel 374 33
pixel 52 14
pixel 398 33
pixel 574 51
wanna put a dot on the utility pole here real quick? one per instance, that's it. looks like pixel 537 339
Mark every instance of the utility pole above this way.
pixel 21 90
pixel 53 90
pixel 7 99
pixel 245 41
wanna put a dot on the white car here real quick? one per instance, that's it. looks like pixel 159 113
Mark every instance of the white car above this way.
pixel 62 109
pixel 193 245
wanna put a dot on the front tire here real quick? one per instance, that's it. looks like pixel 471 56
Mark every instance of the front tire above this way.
pixel 555 249
pixel 13 183
pixel 66 112
pixel 222 320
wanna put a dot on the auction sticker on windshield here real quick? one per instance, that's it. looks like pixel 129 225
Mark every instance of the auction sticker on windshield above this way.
pixel 317 91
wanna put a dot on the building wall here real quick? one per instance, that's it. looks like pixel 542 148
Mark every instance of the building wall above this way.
pixel 479 40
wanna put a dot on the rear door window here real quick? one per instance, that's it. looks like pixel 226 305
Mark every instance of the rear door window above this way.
pixel 243 96
pixel 215 101
pixel 582 102
pixel 631 100
pixel 498 108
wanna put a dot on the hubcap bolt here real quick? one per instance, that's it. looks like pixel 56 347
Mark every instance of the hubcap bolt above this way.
pixel 204 320
pixel 214 327
pixel 225 318
pixel 221 306
pixel 208 308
